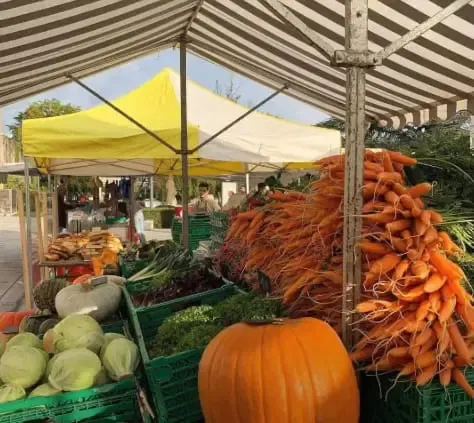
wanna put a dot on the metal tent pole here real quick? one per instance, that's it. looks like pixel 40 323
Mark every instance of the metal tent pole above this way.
pixel 356 42
pixel 152 191
pixel 184 142
pixel 28 279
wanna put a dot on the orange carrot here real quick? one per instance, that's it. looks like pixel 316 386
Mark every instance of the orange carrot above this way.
pixel 248 215
pixel 425 217
pixel 420 227
pixel 400 270
pixel 447 309
pixel 416 211
pixel 374 247
pixel 420 190
pixel 427 359
pixel 445 377
pixel 363 354
pixel 398 226
pixel 427 375
pixel 436 218
pixel 402 159
pixel 385 264
pixel 423 310
pixel 443 336
pixel 398 352
pixel 389 177
pixel 458 342
pixel 391 197
pixel 445 266
pixel 431 235
pixel 408 369
pixel 387 163
pixel 407 202
pixel 420 269
pixel 423 337
pixel 461 380
pixel 257 219
pixel 434 283
pixel 399 189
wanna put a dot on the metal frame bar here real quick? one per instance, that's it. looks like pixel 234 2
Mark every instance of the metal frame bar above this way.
pixel 420 29
pixel 243 116
pixel 193 18
pixel 121 112
pixel 356 41
pixel 28 279
pixel 311 37
pixel 184 141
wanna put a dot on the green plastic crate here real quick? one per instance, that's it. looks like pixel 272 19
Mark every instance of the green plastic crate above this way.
pixel 115 402
pixel 405 403
pixel 172 380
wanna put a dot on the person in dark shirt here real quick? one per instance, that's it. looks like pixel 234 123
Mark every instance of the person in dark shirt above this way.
pixel 62 208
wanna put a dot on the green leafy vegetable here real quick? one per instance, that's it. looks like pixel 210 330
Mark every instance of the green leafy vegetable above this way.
pixel 22 365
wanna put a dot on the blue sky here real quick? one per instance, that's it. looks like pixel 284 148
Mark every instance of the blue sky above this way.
pixel 115 83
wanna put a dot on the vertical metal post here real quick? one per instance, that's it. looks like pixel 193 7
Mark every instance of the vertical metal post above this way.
pixel 29 255
pixel 247 182
pixel 356 41
pixel 184 142
pixel 152 191
pixel 49 183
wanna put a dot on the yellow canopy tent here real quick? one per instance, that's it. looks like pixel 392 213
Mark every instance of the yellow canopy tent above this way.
pixel 102 142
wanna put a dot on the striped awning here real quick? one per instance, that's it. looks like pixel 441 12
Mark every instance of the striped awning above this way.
pixel 432 77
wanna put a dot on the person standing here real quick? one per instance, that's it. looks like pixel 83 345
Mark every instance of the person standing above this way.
pixel 206 202
pixel 62 207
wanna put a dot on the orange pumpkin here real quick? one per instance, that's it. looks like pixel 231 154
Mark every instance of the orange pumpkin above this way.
pixel 296 371
pixel 82 280
pixel 12 319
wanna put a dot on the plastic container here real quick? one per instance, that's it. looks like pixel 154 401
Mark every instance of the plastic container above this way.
pixel 405 403
pixel 172 380
pixel 115 402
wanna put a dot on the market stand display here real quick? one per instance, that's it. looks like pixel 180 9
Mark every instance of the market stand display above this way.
pixel 415 314
pixel 76 370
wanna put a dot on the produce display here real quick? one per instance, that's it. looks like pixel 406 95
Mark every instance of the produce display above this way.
pixel 196 326
pixel 98 297
pixel 172 274
pixel 146 251
pixel 416 316
pixel 83 357
pixel 82 246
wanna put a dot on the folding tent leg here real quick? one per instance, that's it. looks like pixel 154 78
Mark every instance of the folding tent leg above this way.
pixel 356 40
pixel 184 142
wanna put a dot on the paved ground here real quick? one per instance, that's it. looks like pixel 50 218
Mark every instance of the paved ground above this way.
pixel 11 283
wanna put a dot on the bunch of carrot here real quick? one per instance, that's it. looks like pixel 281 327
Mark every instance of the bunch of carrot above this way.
pixel 416 316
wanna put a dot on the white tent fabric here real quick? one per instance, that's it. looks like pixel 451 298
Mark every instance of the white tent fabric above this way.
pixel 431 77
pixel 264 142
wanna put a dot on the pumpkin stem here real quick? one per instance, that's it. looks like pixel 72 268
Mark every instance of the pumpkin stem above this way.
pixel 256 322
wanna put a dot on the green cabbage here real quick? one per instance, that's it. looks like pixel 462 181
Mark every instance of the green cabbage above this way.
pixel 26 339
pixel 120 358
pixel 44 390
pixel 107 338
pixel 11 393
pixel 74 331
pixel 22 366
pixel 74 369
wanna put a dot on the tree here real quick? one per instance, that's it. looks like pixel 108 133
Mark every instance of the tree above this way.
pixel 230 90
pixel 332 123
pixel 38 109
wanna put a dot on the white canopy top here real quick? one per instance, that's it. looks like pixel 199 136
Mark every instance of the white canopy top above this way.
pixel 430 77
